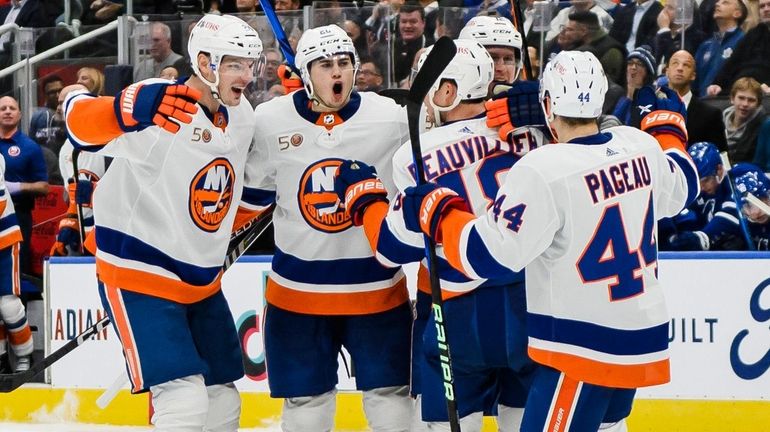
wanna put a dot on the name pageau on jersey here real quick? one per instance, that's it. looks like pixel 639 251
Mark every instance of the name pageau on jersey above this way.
pixel 469 158
pixel 10 234
pixel 323 265
pixel 596 310
pixel 165 209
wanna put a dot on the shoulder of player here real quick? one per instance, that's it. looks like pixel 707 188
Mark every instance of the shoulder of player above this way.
pixel 376 103
pixel 276 107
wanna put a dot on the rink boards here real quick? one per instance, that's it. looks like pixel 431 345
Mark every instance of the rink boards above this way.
pixel 719 305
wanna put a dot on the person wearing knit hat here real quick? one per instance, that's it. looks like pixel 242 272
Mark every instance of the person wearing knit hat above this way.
pixel 641 70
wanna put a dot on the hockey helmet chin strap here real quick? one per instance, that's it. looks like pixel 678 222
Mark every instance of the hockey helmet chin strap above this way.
pixel 549 116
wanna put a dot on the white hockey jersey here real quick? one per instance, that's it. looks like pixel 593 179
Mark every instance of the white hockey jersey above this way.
pixel 582 218
pixel 10 234
pixel 164 211
pixel 467 157
pixel 323 264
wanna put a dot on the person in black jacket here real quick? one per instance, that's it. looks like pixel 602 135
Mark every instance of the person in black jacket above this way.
pixel 751 57
pixel 669 37
pixel 704 122
pixel 623 29
pixel 611 53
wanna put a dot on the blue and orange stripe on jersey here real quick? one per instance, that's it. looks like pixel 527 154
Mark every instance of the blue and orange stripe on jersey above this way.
pixel 348 286
pixel 9 231
pixel 122 324
pixel 127 262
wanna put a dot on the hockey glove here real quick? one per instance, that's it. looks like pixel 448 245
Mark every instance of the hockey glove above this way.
pixel 425 205
pixel 690 241
pixel 357 186
pixel 515 107
pixel 666 112
pixel 290 81
pixel 155 102
pixel 68 238
pixel 84 192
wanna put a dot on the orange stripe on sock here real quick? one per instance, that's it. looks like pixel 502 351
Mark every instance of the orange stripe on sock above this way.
pixel 20 336
pixel 122 324
pixel 566 396
pixel 15 272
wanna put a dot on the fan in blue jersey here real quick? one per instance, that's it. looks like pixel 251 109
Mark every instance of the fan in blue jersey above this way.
pixel 754 189
pixel 711 221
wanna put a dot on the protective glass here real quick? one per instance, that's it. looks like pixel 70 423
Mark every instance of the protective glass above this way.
pixel 234 67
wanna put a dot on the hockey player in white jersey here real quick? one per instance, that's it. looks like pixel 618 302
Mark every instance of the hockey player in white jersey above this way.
pixel 503 42
pixel 468 157
pixel 584 226
pixel 13 318
pixel 326 289
pixel 163 218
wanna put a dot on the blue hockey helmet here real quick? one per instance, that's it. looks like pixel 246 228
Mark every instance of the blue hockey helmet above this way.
pixel 751 183
pixel 706 158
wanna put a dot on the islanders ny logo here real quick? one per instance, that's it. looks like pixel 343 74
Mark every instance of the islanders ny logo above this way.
pixel 211 193
pixel 317 200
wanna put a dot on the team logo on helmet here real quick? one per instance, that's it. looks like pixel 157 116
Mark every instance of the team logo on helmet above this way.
pixel 318 202
pixel 211 194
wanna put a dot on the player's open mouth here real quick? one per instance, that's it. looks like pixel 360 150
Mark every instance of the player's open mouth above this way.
pixel 337 89
pixel 236 91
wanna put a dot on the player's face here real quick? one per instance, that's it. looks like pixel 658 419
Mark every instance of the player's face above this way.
pixel 235 73
pixel 754 213
pixel 504 59
pixel 332 80
pixel 709 185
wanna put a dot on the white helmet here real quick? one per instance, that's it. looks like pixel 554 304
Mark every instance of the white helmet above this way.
pixel 218 36
pixel 573 85
pixel 495 31
pixel 322 42
pixel 471 70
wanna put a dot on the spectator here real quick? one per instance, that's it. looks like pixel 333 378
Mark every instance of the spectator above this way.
pixel 751 57
pixel 712 53
pixel 669 37
pixel 704 122
pixel 449 22
pixel 640 71
pixel 411 38
pixel 44 127
pixel 247 6
pixel 25 172
pixel 357 33
pixel 286 5
pixel 169 73
pixel 578 6
pixel 369 77
pixel 570 38
pixel 258 91
pixel 595 39
pixel 636 23
pixel 743 119
pixel 92 79
pixel 161 54
pixel 24 13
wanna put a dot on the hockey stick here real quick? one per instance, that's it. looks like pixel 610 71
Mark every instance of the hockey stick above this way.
pixel 518 22
pixel 280 35
pixel 439 57
pixel 240 242
pixel 81 228
pixel 737 200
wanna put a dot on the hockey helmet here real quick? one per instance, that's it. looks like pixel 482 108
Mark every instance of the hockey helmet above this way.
pixel 322 42
pixel 573 85
pixel 495 31
pixel 706 157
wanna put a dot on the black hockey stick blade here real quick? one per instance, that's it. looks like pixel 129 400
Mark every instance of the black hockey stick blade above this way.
pixel 240 242
pixel 10 382
pixel 399 95
pixel 440 55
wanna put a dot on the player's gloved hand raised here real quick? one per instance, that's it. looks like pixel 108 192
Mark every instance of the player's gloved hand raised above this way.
pixel 155 102
pixel 358 186
pixel 690 241
pixel 68 238
pixel 425 205
pixel 666 112
pixel 514 107
pixel 289 80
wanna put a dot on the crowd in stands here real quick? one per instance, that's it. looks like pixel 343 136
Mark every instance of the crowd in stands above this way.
pixel 716 59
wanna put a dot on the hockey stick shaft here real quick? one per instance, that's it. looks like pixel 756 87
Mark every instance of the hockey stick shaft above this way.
pixel 81 228
pixel 518 22
pixel 439 57
pixel 280 35
pixel 10 382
